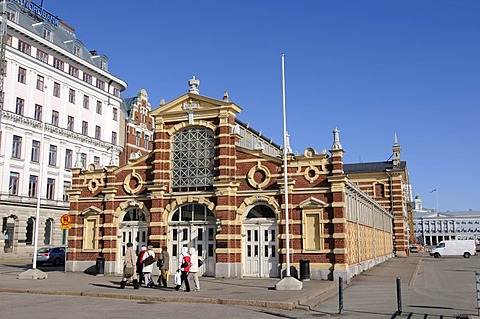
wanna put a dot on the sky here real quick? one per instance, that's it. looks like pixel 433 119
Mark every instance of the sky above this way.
pixel 372 68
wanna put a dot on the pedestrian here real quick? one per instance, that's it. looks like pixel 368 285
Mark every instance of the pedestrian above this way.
pixel 147 262
pixel 184 267
pixel 140 264
pixel 163 264
pixel 193 272
pixel 129 268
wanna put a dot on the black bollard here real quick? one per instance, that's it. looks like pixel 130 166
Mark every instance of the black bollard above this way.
pixel 340 295
pixel 399 297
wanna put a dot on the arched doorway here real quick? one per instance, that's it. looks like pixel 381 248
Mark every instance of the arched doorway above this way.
pixel 133 229
pixel 193 225
pixel 260 243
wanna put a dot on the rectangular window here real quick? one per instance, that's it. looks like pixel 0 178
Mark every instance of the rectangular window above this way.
pixel 77 50
pixel 71 96
pixel 13 186
pixel 83 159
pixel 87 78
pixel 9 40
pixel 17 147
pixel 52 156
pixel 58 64
pixel 116 92
pixel 42 56
pixel 24 47
pixel 12 15
pixel 86 102
pixel 138 138
pixel 313 230
pixel 33 186
pixel 70 123
pixel 22 75
pixel 55 117
pixel 103 65
pixel 100 84
pixel 98 132
pixel 96 161
pixel 147 141
pixel 99 107
pixel 68 158
pixel 19 106
pixel 115 114
pixel 84 127
pixel 90 233
pixel 66 188
pixel 50 188
pixel 114 137
pixel 56 89
pixel 35 151
pixel 38 112
pixel 47 34
pixel 40 82
pixel 73 71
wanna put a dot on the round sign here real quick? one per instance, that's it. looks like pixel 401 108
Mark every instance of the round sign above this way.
pixel 65 219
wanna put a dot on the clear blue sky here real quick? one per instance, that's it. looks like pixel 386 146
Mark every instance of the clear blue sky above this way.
pixel 370 68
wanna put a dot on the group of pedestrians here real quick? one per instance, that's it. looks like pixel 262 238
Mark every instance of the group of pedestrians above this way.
pixel 138 270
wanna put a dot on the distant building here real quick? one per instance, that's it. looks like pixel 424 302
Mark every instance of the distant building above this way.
pixel 53 85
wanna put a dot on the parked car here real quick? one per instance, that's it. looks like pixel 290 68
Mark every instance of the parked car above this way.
pixel 51 255
pixel 414 249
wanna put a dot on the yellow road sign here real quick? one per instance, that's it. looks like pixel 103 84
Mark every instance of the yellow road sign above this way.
pixel 65 226
pixel 65 219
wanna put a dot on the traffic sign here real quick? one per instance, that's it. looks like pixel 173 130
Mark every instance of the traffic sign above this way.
pixel 65 226
pixel 65 220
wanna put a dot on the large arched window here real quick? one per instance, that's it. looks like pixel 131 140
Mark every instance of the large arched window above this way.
pixel 192 159
pixel 193 213
pixel 134 215
pixel 261 211
pixel 48 232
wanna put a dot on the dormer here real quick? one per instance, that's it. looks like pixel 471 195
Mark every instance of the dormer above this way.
pixel 75 47
pixel 100 60
pixel 45 30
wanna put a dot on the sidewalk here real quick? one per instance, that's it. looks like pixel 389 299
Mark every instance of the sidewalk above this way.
pixel 246 291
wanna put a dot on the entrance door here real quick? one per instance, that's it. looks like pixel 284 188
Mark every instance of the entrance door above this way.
pixel 202 238
pixel 135 234
pixel 260 244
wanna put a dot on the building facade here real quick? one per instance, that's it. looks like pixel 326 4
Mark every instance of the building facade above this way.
pixel 61 109
pixel 214 183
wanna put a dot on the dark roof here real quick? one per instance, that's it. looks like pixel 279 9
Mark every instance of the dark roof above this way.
pixel 371 167
pixel 127 104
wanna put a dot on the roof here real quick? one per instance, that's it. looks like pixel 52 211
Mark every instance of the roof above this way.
pixel 371 167
pixel 448 214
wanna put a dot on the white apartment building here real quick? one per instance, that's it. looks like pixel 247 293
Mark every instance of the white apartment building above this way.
pixel 62 109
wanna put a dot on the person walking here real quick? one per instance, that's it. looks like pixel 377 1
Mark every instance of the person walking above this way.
pixel 184 267
pixel 163 264
pixel 129 268
pixel 193 271
pixel 142 251
pixel 147 261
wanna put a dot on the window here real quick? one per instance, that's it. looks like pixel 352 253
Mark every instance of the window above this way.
pixel 42 56
pixel 99 107
pixel 17 147
pixel 138 138
pixel 30 231
pixel 48 34
pixel 379 190
pixel 114 137
pixel 55 117
pixel 77 50
pixel 58 64
pixel 147 141
pixel 98 132
pixel 83 159
pixel 47 240
pixel 192 165
pixel 13 185
pixel 71 96
pixel 86 102
pixel 40 82
pixel 9 40
pixel 115 114
pixel 56 89
pixel 66 188
pixel 22 75
pixel 96 161
pixel 103 65
pixel 312 226
pixel 24 47
pixel 90 232
pixel 38 112
pixel 116 92
pixel 73 71
pixel 84 127
pixel 143 115
pixel 12 15
pixel 68 158
pixel 70 123
pixel 19 106
pixel 50 188
pixel 87 78
pixel 100 84
pixel 52 156
pixel 33 186
pixel 35 151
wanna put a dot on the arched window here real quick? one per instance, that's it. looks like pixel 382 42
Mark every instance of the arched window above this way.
pixel 134 215
pixel 379 190
pixel 48 232
pixel 30 228
pixel 261 211
pixel 192 159
pixel 193 213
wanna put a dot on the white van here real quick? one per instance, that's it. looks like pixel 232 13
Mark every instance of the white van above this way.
pixel 465 248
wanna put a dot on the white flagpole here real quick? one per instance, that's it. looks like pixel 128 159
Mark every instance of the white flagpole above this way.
pixel 285 152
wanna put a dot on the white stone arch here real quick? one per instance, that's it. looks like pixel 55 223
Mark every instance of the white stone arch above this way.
pixel 180 201
pixel 181 126
pixel 119 213
pixel 251 201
